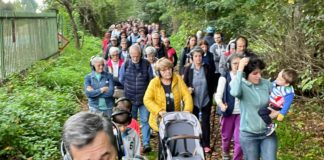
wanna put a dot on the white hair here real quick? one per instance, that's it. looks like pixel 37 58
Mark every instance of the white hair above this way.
pixel 97 59
pixel 155 34
pixel 113 49
pixel 150 50
pixel 199 34
pixel 135 47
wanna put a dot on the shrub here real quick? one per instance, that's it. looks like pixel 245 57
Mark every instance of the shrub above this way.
pixel 36 103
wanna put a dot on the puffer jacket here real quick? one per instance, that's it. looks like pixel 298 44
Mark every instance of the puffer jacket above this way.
pixel 155 100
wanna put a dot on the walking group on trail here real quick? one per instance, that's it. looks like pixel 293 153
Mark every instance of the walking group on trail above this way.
pixel 139 77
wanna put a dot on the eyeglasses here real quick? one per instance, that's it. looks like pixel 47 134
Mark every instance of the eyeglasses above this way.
pixel 99 65
pixel 114 55
pixel 166 69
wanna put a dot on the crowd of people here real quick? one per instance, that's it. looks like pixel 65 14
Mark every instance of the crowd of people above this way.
pixel 138 61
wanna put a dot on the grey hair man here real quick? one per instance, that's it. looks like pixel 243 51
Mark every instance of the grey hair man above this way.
pixel 135 75
pixel 160 48
pixel 89 135
pixel 217 49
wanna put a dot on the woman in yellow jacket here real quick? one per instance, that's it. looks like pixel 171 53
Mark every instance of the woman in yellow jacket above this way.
pixel 165 92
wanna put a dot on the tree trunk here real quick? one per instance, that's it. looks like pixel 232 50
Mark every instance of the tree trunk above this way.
pixel 89 21
pixel 67 4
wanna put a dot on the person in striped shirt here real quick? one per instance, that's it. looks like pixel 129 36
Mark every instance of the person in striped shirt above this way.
pixel 281 98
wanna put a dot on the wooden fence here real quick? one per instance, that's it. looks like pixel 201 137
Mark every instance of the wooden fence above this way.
pixel 26 38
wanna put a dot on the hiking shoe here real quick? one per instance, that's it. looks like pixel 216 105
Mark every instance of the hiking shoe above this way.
pixel 207 150
pixel 226 156
pixel 270 129
pixel 147 149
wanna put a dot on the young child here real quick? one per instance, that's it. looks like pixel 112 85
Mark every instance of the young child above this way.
pixel 125 104
pixel 131 141
pixel 281 98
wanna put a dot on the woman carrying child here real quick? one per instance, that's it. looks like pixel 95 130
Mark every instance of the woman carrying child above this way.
pixel 253 92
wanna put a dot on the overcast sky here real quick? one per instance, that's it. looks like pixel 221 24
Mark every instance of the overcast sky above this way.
pixel 39 2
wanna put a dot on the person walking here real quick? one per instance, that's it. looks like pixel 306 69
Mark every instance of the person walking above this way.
pixel 135 75
pixel 99 87
pixel 253 92
pixel 199 78
pixel 229 110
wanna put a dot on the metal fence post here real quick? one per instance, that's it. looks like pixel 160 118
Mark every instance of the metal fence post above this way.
pixel 3 71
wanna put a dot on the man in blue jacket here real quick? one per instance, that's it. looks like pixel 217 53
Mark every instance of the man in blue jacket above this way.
pixel 135 75
pixel 99 88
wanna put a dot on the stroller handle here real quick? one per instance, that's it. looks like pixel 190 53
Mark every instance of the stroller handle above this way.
pixel 182 137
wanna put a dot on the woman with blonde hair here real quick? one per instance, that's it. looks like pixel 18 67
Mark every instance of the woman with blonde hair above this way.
pixel 165 92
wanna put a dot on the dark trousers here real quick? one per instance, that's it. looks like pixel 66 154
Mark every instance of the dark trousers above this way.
pixel 264 113
pixel 205 123
pixel 160 155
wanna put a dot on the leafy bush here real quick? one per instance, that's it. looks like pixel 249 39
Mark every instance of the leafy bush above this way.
pixel 36 103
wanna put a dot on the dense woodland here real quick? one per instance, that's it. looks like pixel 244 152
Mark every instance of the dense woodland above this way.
pixel 286 33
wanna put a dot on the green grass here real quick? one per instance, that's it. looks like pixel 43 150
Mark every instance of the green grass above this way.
pixel 36 103
pixel 152 155
pixel 298 136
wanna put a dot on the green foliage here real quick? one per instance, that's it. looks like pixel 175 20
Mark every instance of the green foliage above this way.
pixel 297 139
pixel 287 34
pixel 36 104
pixel 94 16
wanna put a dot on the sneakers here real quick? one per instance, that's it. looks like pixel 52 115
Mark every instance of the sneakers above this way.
pixel 147 148
pixel 207 150
pixel 270 129
pixel 226 156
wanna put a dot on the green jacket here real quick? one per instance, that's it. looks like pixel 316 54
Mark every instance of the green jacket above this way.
pixel 252 97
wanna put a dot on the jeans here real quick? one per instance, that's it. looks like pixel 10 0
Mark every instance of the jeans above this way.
pixel 106 113
pixel 256 145
pixel 230 128
pixel 144 115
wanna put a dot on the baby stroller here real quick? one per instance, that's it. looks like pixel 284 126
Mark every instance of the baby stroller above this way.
pixel 180 136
